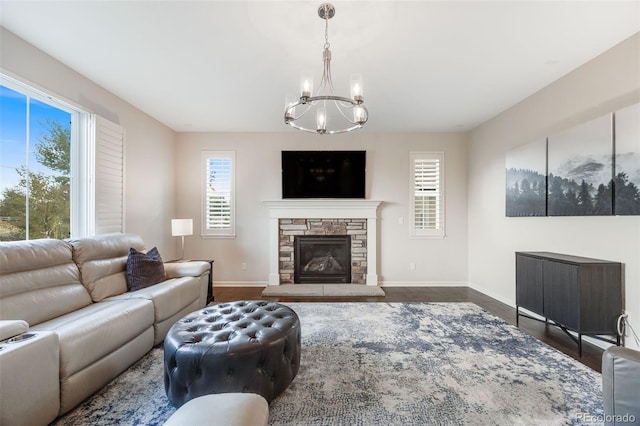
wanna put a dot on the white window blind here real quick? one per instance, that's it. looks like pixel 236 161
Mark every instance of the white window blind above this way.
pixel 219 193
pixel 427 189
pixel 109 176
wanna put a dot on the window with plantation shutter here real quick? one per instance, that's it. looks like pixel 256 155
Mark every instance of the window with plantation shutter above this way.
pixel 427 189
pixel 218 218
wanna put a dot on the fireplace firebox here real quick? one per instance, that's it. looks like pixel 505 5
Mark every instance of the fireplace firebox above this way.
pixel 322 259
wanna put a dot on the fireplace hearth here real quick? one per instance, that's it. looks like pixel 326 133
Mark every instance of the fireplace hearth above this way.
pixel 322 259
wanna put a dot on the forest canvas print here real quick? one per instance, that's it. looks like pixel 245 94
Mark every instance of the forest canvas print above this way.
pixel 526 180
pixel 580 169
pixel 627 161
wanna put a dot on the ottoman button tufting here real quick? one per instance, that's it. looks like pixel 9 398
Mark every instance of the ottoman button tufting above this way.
pixel 215 350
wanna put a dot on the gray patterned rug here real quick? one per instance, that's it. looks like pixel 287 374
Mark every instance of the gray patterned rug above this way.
pixel 392 364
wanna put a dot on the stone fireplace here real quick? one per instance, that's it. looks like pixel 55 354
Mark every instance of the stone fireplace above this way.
pixel 323 236
pixel 356 219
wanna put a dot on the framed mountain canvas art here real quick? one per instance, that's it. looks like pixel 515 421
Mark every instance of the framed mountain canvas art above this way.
pixel 580 166
pixel 526 180
pixel 627 161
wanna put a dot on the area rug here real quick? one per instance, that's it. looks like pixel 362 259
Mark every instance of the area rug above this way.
pixel 392 364
pixel 323 290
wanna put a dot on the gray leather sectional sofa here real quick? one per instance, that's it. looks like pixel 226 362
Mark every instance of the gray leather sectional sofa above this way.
pixel 68 325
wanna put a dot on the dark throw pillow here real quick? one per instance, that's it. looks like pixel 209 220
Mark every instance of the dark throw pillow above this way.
pixel 144 269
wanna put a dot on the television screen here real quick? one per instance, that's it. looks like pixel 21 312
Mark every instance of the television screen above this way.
pixel 323 174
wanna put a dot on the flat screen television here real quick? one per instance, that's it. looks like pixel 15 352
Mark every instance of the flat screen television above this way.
pixel 323 174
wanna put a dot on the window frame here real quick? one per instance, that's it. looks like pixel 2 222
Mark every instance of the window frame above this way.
pixel 85 220
pixel 229 232
pixel 79 173
pixel 439 231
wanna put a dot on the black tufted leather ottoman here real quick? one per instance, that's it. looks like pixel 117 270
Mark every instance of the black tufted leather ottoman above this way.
pixel 247 346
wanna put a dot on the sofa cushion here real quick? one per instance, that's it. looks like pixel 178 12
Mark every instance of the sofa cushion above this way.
pixel 144 269
pixel 102 261
pixel 89 334
pixel 39 281
pixel 194 268
pixel 169 297
pixel 172 299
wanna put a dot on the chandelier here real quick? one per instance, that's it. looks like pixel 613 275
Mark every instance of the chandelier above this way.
pixel 333 113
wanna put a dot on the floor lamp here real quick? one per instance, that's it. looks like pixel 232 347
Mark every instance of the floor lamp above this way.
pixel 180 228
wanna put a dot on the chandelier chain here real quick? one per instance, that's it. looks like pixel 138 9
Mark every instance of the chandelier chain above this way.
pixel 326 58
pixel 326 33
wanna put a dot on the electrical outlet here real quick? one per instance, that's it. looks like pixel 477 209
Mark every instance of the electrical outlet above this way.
pixel 412 266
pixel 243 265
pixel 400 220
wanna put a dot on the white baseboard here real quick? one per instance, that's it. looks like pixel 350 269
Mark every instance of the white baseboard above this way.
pixel 493 295
pixel 423 284
pixel 381 284
pixel 240 283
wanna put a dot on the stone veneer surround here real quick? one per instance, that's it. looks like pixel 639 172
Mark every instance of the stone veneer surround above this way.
pixel 356 228
pixel 331 210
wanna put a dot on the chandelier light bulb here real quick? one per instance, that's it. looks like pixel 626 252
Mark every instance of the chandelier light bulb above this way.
pixel 306 85
pixel 356 88
pixel 321 119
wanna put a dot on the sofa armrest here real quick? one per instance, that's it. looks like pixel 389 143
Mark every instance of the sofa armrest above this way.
pixel 186 269
pixel 11 328
pixel 620 384
pixel 30 379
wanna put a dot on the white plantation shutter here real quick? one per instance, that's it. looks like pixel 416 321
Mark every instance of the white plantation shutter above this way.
pixel 427 190
pixel 109 176
pixel 219 193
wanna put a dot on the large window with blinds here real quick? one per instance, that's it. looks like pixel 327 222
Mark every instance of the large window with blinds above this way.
pixel 218 204
pixel 427 194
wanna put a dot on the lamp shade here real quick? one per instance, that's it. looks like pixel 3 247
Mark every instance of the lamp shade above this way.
pixel 181 227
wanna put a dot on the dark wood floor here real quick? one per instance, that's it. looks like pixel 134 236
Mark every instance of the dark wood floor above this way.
pixel 553 336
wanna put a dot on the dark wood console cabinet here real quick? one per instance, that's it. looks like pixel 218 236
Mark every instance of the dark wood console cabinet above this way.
pixel 577 294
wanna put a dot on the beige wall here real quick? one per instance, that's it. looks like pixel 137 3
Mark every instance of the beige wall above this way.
pixel 606 83
pixel 149 192
pixel 438 261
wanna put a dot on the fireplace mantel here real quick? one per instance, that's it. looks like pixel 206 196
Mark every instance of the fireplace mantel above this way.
pixel 324 209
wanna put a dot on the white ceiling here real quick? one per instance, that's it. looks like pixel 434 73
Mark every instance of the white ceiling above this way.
pixel 227 65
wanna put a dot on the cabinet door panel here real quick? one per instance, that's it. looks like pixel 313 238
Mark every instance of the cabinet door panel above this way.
pixel 561 297
pixel 600 298
pixel 529 289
